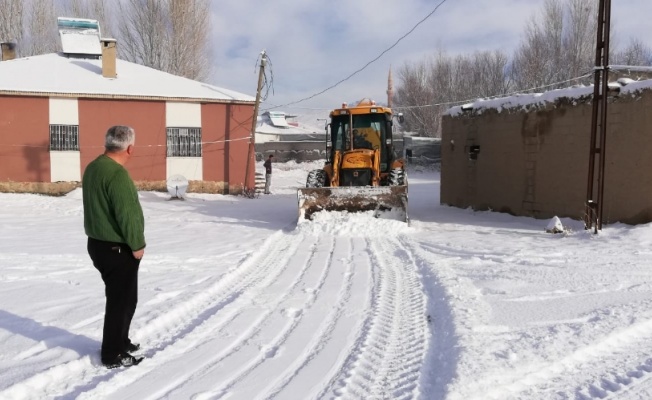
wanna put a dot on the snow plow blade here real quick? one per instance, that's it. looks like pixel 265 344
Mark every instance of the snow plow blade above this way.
pixel 381 199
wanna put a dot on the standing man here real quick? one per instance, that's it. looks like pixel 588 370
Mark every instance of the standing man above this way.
pixel 268 173
pixel 115 226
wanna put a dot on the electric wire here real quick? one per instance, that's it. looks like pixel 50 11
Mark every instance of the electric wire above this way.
pixel 267 83
pixel 368 63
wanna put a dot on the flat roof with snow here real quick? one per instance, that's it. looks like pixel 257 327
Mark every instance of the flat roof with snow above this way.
pixel 522 101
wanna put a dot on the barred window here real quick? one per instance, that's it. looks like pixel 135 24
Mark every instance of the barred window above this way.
pixel 184 142
pixel 64 137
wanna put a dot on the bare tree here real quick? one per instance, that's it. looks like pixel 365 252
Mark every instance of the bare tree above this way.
pixel 413 97
pixel 557 50
pixel 579 41
pixel 559 47
pixel 41 35
pixel 481 74
pixel 636 53
pixel 170 35
pixel 427 90
pixel 91 9
pixel 11 20
pixel 142 32
pixel 538 60
pixel 188 39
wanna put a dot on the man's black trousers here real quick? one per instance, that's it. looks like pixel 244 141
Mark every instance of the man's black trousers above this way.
pixel 119 270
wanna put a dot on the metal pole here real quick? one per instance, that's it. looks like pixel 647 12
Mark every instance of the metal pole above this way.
pixel 603 122
pixel 594 205
pixel 590 202
pixel 254 122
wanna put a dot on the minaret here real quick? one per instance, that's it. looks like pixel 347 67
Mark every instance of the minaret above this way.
pixel 390 88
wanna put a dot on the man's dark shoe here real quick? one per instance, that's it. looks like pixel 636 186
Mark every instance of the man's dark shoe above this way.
pixel 132 347
pixel 122 360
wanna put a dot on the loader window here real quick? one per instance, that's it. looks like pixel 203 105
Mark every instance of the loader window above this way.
pixel 374 129
pixel 367 131
pixel 339 132
pixel 370 131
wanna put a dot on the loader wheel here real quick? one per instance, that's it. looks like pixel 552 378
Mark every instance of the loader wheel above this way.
pixel 316 178
pixel 397 177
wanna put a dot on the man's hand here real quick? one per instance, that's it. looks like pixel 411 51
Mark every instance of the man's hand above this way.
pixel 138 254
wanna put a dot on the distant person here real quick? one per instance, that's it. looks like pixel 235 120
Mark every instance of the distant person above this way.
pixel 268 173
pixel 115 226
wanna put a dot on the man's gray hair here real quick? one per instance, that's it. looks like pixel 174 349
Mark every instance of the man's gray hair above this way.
pixel 119 137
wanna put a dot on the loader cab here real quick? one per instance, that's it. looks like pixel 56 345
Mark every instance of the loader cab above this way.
pixel 361 129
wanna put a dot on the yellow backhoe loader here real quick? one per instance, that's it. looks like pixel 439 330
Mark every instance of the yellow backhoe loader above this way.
pixel 361 172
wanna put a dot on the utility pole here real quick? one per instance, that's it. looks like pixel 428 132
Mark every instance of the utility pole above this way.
pixel 252 149
pixel 390 88
pixel 595 199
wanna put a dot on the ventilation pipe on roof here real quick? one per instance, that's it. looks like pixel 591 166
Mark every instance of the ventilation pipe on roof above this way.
pixel 109 50
pixel 8 51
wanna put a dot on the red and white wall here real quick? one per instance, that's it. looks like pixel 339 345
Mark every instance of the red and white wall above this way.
pixel 24 138
pixel 187 115
pixel 64 165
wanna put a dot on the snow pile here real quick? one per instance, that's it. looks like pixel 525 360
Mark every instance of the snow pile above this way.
pixel 359 224
pixel 555 225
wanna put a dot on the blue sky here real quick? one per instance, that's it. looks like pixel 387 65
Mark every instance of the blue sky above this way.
pixel 313 45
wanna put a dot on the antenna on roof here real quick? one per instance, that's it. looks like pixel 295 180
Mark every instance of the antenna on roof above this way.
pixel 80 37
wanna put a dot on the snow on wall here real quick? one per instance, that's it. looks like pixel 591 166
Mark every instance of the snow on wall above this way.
pixel 525 101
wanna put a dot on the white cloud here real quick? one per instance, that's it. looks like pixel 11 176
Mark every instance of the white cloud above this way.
pixel 313 45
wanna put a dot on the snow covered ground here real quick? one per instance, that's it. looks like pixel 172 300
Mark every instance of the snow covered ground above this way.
pixel 237 300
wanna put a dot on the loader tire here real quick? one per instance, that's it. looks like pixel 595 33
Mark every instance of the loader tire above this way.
pixel 316 178
pixel 397 177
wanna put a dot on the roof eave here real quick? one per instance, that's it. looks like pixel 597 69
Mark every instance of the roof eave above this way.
pixel 123 97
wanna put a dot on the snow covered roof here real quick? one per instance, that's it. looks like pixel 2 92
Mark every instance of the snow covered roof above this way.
pixel 624 86
pixel 290 130
pixel 274 122
pixel 55 74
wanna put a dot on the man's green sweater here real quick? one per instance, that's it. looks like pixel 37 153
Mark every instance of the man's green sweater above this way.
pixel 112 211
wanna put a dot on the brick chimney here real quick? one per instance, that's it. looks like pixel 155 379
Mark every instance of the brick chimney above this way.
pixel 109 52
pixel 8 51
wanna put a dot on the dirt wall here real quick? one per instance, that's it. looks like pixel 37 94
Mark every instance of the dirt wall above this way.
pixel 535 162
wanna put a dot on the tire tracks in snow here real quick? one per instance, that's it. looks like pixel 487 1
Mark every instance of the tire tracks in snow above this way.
pixel 604 367
pixel 440 366
pixel 318 317
pixel 225 335
pixel 325 344
pixel 86 376
pixel 308 335
pixel 600 370
pixel 388 355
pixel 268 328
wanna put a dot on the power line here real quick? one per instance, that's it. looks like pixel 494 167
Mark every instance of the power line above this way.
pixel 267 83
pixel 369 63
pixel 140 146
